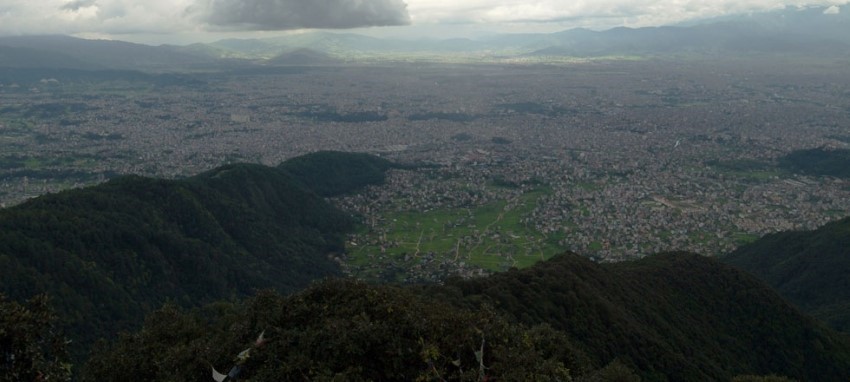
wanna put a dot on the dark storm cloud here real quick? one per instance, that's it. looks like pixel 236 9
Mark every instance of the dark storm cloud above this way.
pixel 77 4
pixel 298 14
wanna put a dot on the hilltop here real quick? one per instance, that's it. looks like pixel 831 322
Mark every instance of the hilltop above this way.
pixel 330 173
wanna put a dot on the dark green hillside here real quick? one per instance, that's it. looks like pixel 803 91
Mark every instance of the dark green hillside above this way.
pixel 809 268
pixel 111 253
pixel 677 317
pixel 671 317
pixel 331 173
pixel 338 330
pixel 818 162
pixel 108 254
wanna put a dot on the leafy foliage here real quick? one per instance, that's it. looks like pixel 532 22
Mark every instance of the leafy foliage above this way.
pixel 336 330
pixel 31 346
pixel 615 371
pixel 809 268
pixel 667 317
pixel 756 378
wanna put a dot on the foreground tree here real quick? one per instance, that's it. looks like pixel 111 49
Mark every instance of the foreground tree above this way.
pixel 335 330
pixel 31 345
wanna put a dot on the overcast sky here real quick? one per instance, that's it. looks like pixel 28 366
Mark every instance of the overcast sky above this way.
pixel 185 21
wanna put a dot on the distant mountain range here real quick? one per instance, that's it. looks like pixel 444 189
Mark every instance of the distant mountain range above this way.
pixel 74 53
pixel 303 57
pixel 806 31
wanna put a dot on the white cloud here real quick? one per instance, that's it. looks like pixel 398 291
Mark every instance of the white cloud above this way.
pixel 833 10
pixel 92 16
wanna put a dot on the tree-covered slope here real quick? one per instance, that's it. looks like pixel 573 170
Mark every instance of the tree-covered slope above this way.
pixel 818 162
pixel 671 317
pixel 331 173
pixel 809 268
pixel 111 253
pixel 340 331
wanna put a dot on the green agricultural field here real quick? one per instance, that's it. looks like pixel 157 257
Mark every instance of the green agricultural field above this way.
pixel 493 236
pixel 748 170
pixel 762 176
pixel 742 238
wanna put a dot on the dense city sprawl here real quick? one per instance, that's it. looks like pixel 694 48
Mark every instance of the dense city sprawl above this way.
pixel 624 158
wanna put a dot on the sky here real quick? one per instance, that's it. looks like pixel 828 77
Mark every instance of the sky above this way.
pixel 187 21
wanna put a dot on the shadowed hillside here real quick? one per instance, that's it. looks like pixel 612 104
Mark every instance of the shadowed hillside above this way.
pixel 818 162
pixel 111 253
pixel 332 173
pixel 338 330
pixel 809 268
pixel 671 316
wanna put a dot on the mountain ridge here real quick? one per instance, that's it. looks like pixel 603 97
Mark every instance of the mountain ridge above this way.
pixel 809 268
pixel 788 31
pixel 107 254
pixel 673 315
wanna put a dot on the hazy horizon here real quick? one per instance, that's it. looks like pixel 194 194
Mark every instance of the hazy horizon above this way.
pixel 189 21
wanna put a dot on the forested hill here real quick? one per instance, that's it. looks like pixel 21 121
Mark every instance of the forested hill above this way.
pixel 818 162
pixel 332 173
pixel 809 268
pixel 670 317
pixel 675 316
pixel 111 253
